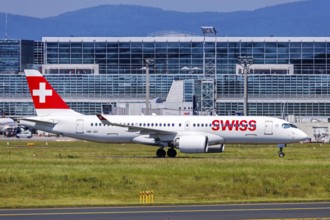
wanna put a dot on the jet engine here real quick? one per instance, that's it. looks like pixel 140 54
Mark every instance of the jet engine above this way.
pixel 192 144
pixel 197 144
pixel 216 148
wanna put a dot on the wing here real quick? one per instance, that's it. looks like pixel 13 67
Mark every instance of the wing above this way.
pixel 132 128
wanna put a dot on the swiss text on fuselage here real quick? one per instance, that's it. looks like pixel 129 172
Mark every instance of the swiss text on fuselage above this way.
pixel 234 125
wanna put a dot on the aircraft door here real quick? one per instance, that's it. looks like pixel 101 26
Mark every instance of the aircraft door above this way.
pixel 80 126
pixel 268 128
pixel 187 125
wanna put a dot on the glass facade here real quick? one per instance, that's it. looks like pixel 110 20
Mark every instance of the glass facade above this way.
pixel 115 57
pixel 275 86
pixel 185 55
pixel 304 89
pixel 84 90
pixel 268 108
pixel 38 53
pixel 15 55
pixel 10 56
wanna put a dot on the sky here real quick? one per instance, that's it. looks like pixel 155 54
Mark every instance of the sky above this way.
pixel 48 8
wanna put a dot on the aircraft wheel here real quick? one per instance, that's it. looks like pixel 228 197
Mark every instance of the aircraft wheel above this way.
pixel 281 154
pixel 160 153
pixel 171 152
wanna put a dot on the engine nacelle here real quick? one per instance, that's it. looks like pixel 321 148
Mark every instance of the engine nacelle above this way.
pixel 192 144
pixel 216 148
pixel 198 144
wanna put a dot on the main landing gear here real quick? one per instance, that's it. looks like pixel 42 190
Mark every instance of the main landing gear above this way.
pixel 281 154
pixel 171 152
pixel 161 152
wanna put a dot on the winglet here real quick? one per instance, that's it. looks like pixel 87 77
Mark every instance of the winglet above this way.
pixel 103 119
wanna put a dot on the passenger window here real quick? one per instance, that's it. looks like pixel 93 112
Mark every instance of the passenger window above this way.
pixel 91 124
pixel 179 124
pixel 173 125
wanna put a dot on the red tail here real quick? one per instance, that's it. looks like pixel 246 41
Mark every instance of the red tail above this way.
pixel 45 99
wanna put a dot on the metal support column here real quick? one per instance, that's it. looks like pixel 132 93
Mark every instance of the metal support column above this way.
pixel 208 83
pixel 245 62
pixel 148 64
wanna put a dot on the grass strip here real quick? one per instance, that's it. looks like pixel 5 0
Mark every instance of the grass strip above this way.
pixel 82 173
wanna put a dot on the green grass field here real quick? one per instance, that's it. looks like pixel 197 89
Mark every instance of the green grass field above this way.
pixel 89 174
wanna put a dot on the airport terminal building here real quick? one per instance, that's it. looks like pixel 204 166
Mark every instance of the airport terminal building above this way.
pixel 289 76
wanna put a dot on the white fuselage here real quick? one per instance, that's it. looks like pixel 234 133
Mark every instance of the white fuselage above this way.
pixel 219 129
pixel 6 123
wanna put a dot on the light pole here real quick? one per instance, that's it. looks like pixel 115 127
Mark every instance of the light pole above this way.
pixel 245 62
pixel 148 64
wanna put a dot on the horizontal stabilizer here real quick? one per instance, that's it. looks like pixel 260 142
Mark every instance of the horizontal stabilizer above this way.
pixel 47 123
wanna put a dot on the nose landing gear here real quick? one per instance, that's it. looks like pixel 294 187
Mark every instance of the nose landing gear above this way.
pixel 281 154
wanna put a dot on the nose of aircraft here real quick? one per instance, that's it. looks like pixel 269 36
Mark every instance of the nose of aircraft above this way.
pixel 300 135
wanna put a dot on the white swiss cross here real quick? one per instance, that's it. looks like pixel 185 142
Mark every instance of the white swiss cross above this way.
pixel 42 92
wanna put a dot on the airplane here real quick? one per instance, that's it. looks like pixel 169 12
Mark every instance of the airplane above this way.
pixel 6 124
pixel 189 134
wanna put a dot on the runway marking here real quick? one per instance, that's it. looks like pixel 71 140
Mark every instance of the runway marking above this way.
pixel 161 211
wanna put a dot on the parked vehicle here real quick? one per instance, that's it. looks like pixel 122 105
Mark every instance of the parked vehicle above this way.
pixel 23 132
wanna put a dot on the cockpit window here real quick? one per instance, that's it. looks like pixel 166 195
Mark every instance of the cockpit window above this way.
pixel 285 125
pixel 293 126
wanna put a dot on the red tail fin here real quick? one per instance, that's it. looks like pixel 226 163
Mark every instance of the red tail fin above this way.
pixel 45 99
